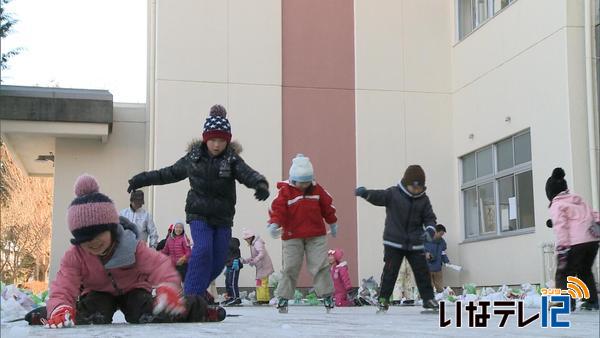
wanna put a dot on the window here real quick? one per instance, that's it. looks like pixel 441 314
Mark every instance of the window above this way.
pixel 472 13
pixel 497 188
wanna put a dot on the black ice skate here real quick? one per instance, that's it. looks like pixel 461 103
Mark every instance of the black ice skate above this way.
pixel 383 305
pixel 232 302
pixel 430 306
pixel 282 305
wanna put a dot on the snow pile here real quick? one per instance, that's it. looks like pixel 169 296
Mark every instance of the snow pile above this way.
pixel 529 294
pixel 16 303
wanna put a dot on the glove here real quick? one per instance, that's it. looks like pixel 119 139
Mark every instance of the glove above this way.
pixel 562 254
pixel 181 260
pixel 168 300
pixel 549 223
pixel 429 233
pixel 361 192
pixel 274 230
pixel 236 264
pixel 333 228
pixel 262 192
pixel 62 316
pixel 134 183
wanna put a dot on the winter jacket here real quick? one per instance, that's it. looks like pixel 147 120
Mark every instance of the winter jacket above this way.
pixel 300 214
pixel 437 249
pixel 341 283
pixel 145 224
pixel 260 258
pixel 177 247
pixel 234 253
pixel 212 195
pixel 571 218
pixel 133 265
pixel 405 216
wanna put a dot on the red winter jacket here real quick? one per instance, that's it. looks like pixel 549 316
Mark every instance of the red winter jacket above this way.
pixel 300 214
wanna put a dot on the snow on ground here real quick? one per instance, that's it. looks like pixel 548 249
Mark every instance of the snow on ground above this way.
pixel 312 321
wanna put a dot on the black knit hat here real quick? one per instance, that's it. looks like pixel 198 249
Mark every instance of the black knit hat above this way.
pixel 556 183
pixel 414 175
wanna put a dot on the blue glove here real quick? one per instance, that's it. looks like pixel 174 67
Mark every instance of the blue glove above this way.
pixel 333 228
pixel 361 191
pixel 274 230
pixel 429 233
pixel 235 265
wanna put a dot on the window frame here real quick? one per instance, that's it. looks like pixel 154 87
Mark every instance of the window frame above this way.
pixel 494 178
pixel 475 23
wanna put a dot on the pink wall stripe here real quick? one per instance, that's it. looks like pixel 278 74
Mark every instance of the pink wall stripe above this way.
pixel 319 108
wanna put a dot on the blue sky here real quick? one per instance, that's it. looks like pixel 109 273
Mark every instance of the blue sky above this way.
pixel 92 44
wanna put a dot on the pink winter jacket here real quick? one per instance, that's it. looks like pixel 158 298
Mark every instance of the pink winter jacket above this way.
pixel 260 258
pixel 571 218
pixel 341 283
pixel 177 247
pixel 79 268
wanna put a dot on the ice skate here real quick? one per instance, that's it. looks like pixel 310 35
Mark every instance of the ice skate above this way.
pixel 430 306
pixel 282 305
pixel 383 305
pixel 328 302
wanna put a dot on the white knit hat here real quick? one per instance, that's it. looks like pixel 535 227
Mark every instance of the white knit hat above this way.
pixel 301 169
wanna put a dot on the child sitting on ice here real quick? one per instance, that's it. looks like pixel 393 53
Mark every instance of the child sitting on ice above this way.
pixel 108 268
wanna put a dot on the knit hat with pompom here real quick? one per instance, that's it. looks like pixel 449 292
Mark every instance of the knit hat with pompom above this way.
pixel 91 212
pixel 556 183
pixel 217 125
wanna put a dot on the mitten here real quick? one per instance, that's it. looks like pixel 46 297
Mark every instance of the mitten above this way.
pixel 62 316
pixel 236 264
pixel 168 299
pixel 134 183
pixel 361 191
pixel 333 228
pixel 274 230
pixel 429 233
pixel 262 192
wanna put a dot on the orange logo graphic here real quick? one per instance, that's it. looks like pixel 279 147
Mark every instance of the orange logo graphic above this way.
pixel 577 288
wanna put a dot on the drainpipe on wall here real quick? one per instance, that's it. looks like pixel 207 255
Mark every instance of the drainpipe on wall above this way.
pixel 151 71
pixel 591 111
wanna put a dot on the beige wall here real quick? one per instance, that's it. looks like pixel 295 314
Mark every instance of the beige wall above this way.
pixel 403 112
pixel 226 52
pixel 112 163
pixel 527 64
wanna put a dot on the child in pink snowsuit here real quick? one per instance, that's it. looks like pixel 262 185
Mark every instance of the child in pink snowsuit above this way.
pixel 340 277
pixel 262 261
pixel 178 249
pixel 109 268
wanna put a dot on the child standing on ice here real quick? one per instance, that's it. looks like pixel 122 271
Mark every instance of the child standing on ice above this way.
pixel 177 247
pixel 212 167
pixel 409 219
pixel 259 258
pixel 573 222
pixel 435 253
pixel 109 268
pixel 232 273
pixel 297 215
pixel 341 278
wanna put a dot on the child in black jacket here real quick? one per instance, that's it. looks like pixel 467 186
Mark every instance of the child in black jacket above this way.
pixel 232 273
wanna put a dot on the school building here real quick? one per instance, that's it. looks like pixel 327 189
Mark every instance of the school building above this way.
pixel 487 95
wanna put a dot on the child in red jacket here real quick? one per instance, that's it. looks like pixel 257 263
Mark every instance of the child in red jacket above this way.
pixel 108 268
pixel 341 278
pixel 297 214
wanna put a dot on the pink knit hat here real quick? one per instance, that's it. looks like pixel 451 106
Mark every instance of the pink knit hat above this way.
pixel 337 254
pixel 91 212
pixel 247 234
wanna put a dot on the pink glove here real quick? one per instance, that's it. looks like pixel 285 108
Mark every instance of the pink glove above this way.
pixel 62 316
pixel 168 299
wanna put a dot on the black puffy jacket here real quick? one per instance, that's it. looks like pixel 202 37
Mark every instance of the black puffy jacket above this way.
pixel 212 196
pixel 405 216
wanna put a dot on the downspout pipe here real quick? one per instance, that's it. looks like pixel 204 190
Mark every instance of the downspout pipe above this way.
pixel 591 111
